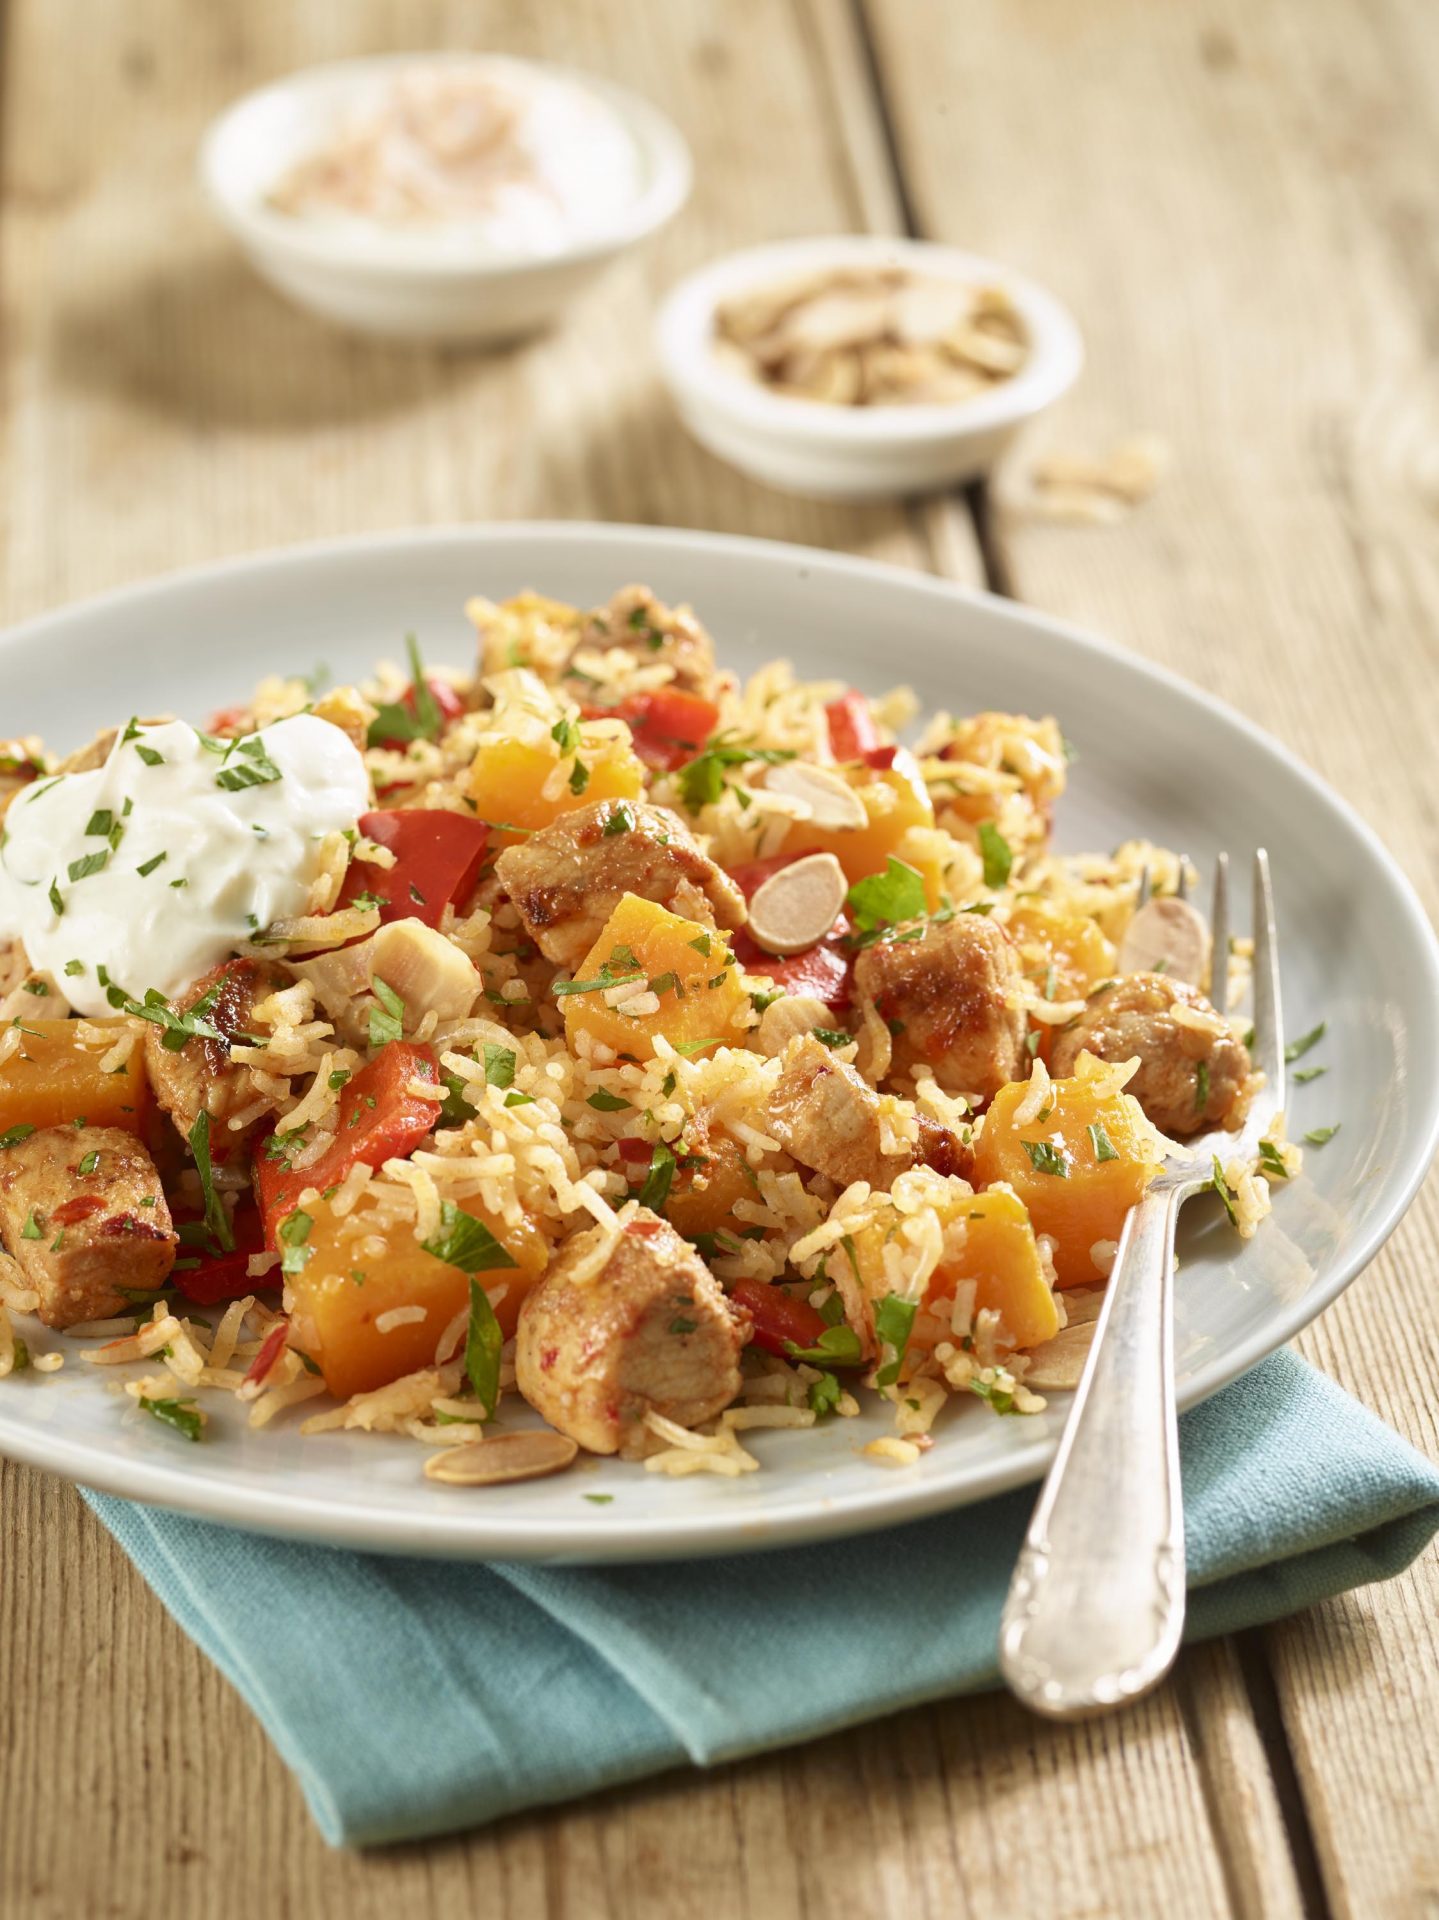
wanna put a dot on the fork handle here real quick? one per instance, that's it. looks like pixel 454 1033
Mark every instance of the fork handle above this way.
pixel 1096 1606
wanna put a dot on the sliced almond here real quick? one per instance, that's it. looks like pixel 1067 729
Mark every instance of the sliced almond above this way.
pixel 782 1019
pixel 833 803
pixel 798 905
pixel 1056 1366
pixel 1166 936
pixel 508 1456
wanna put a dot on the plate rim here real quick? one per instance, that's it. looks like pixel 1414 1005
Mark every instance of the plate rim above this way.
pixel 259 1506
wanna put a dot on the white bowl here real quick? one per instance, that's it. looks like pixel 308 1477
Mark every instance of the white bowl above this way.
pixel 408 286
pixel 855 453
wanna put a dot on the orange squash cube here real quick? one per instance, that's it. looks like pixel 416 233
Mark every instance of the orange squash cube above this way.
pixel 55 1077
pixel 1074 947
pixel 1078 1166
pixel 894 800
pixel 507 780
pixel 681 977
pixel 354 1278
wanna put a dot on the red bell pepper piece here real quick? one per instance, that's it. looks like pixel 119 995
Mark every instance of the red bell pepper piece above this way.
pixel 780 1319
pixel 450 704
pixel 264 1362
pixel 881 758
pixel 379 1121
pixel 669 725
pixel 225 1276
pixel 852 732
pixel 438 856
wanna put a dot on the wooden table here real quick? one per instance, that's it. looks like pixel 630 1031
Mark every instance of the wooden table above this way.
pixel 1240 202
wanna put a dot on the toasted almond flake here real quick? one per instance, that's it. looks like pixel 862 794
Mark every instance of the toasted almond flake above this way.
pixel 1169 935
pixel 828 800
pixel 505 1456
pixel 797 906
pixel 1056 1365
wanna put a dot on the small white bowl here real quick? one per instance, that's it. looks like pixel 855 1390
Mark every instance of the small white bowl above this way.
pixel 855 453
pixel 411 286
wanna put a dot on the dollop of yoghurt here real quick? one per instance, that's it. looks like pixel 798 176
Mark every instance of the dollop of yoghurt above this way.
pixel 177 850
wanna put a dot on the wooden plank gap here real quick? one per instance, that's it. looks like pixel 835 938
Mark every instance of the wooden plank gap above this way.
pixel 1268 1718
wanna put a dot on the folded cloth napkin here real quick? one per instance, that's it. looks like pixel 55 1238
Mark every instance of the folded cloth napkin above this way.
pixel 414 1697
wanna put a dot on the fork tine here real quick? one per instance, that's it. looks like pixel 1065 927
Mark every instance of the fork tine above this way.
pixel 1141 897
pixel 1219 936
pixel 1268 1048
pixel 1181 885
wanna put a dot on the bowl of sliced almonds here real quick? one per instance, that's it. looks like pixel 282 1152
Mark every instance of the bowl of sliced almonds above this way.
pixel 862 367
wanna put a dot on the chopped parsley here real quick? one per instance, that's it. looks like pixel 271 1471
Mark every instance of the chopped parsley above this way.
pixel 837 1346
pixel 217 1220
pixel 91 863
pixel 599 1499
pixel 1046 1158
pixel 149 755
pixel 396 721
pixel 1104 1147
pixel 603 1101
pixel 150 865
pixel 621 819
pixel 12 1137
pixel 1320 1136
pixel 1000 1399
pixel 566 735
pixel 702 944
pixel 56 898
pixel 179 1028
pixel 183 1415
pixel 499 1065
pixel 483 1343
pixel 658 1180
pixel 824 1395
pixel 1297 1049
pixel 1272 1160
pixel 579 778
pixel 21 1358
pixel 91 1160
pixel 338 1078
pixel 1221 1187
pixel 466 1243
pixel 996 853
pixel 683 1326
pixel 611 974
pixel 1306 1074
pixel 32 1230
pixel 1201 1086
pixel 74 967
pixel 702 780
pixel 294 1232
pixel 387 1021
pixel 254 768
pixel 893 1320
pixel 37 987
pixel 832 1036
pixel 886 899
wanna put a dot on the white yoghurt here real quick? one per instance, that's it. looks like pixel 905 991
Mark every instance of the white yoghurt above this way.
pixel 162 861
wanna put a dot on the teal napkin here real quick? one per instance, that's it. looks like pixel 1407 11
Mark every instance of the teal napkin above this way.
pixel 414 1697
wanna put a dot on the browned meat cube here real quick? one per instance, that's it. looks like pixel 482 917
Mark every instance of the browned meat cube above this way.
pixel 642 624
pixel 567 879
pixel 829 1119
pixel 83 1215
pixel 201 1074
pixel 1193 1072
pixel 652 1329
pixel 950 994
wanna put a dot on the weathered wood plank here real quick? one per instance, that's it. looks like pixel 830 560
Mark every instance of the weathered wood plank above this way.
pixel 1240 205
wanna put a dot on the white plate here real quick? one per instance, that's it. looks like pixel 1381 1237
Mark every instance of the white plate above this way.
pixel 1357 952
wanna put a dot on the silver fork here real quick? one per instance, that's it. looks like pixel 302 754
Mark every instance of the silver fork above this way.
pixel 1096 1606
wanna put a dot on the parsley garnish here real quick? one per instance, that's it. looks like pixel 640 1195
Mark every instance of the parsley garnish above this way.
pixel 387 1021
pixel 183 1415
pixel 149 755
pixel 1272 1161
pixel 483 1343
pixel 254 768
pixel 293 1233
pixel 893 1319
pixel 32 1230
pixel 998 859
pixel 88 1162
pixel 395 721
pixel 180 1028
pixel 888 898
pixel 836 1347
pixel 1201 1086
pixel 217 1220
pixel 1320 1136
pixel 1221 1187
pixel 824 1395
pixel 832 1036
pixel 656 1188
pixel 91 863
pixel 1306 1074
pixel 599 1499
pixel 466 1243
pixel 1045 1158
pixel 579 778
pixel 621 820
pixel 603 1101
pixel 702 780
pixel 1104 1147
pixel 150 865
pixel 14 1135
pixel 499 1065
pixel 1297 1049
pixel 566 735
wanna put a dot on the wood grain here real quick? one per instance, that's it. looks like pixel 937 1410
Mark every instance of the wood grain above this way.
pixel 1239 203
